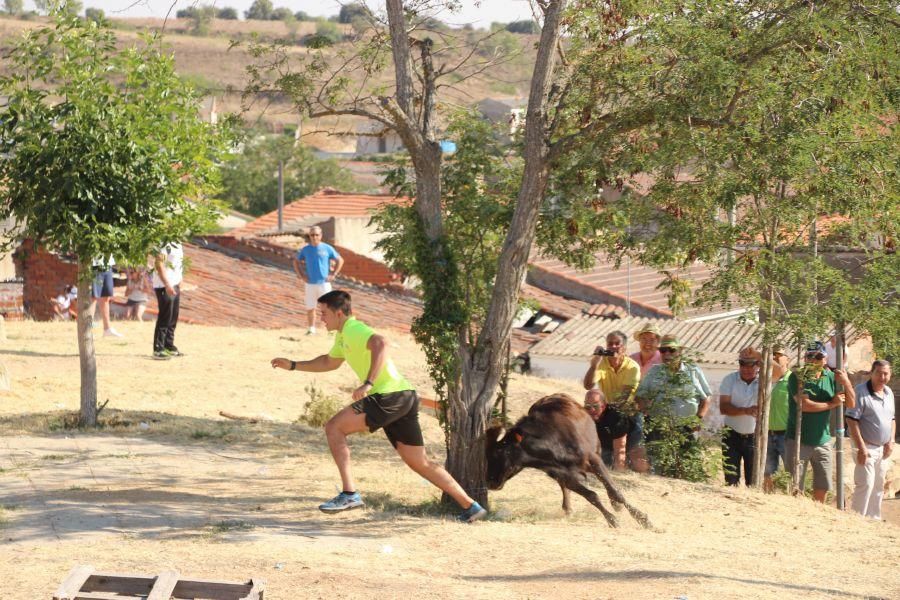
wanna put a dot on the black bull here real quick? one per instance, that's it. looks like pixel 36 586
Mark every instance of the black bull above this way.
pixel 559 438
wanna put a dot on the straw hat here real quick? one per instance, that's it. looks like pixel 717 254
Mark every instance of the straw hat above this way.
pixel 648 328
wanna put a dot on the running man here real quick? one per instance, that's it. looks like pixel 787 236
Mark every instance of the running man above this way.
pixel 385 400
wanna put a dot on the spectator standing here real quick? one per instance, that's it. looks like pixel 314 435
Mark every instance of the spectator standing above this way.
pixel 317 264
pixel 102 291
pixel 62 304
pixel 873 426
pixel 778 416
pixel 648 337
pixel 137 292
pixel 384 400
pixel 818 397
pixel 168 271
pixel 617 377
pixel 738 396
pixel 674 393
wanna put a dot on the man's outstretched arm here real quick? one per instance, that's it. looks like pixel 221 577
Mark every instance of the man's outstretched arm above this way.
pixel 319 364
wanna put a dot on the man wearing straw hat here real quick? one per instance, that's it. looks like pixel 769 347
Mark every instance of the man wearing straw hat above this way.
pixel 648 337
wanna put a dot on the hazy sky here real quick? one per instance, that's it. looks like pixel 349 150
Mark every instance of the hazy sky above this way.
pixel 478 13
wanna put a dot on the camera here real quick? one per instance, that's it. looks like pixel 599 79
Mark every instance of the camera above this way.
pixel 601 351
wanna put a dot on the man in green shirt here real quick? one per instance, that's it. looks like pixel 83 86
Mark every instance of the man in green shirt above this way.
pixel 818 397
pixel 778 415
pixel 385 400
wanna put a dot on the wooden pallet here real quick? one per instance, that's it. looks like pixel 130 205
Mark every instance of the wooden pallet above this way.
pixel 84 584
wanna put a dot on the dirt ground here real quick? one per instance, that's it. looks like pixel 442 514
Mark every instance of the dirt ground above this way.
pixel 169 484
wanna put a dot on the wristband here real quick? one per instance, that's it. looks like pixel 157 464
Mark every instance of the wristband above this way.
pixel 293 365
pixel 368 383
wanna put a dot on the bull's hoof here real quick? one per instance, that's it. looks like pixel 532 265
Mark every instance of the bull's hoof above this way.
pixel 612 521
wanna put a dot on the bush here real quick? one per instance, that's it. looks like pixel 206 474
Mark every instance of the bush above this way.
pixel 327 34
pixel 94 14
pixel 260 10
pixel 281 14
pixel 352 11
pixel 675 452
pixel 320 408
pixel 186 13
pixel 228 14
pixel 302 16
pixel 527 26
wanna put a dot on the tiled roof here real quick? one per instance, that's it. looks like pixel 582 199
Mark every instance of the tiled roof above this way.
pixel 326 203
pixel 564 307
pixel 715 341
pixel 243 293
pixel 637 282
pixel 224 290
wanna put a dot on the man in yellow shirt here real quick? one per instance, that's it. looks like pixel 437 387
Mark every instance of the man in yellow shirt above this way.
pixel 613 376
pixel 385 400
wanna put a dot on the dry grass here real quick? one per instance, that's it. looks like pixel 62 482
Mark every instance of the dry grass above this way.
pixel 227 499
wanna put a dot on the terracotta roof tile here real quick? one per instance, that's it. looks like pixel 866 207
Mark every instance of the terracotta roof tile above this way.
pixel 325 203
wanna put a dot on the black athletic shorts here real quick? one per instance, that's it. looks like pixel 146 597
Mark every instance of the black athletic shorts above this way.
pixel 397 413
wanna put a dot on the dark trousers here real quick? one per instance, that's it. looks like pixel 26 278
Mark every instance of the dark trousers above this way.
pixel 737 447
pixel 166 319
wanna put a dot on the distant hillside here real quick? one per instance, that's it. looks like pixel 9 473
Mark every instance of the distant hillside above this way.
pixel 209 64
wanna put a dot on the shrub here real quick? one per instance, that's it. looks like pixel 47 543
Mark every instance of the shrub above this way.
pixel 281 14
pixel 527 26
pixel 228 14
pixel 351 11
pixel 320 408
pixel 94 14
pixel 327 34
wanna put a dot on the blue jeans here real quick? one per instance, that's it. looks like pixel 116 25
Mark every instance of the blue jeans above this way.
pixel 774 450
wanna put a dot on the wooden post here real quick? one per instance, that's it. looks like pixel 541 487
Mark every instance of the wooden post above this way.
pixel 839 429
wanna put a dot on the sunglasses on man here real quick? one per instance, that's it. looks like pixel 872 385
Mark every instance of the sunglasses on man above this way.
pixel 814 356
pixel 748 362
pixel 668 350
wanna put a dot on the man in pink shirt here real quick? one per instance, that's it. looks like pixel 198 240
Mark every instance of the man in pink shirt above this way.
pixel 648 337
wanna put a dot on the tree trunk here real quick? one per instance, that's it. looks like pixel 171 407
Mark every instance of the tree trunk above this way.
pixel 797 475
pixel 763 403
pixel 88 414
pixel 469 414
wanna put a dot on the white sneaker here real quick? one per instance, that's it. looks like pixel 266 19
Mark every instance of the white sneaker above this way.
pixel 112 333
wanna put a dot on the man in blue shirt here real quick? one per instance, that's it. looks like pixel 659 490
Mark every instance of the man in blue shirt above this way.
pixel 316 264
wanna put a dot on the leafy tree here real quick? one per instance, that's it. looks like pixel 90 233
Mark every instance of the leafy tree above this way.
pixel 187 13
pixel 527 26
pixel 260 10
pixel 94 14
pixel 302 16
pixel 756 121
pixel 227 13
pixel 282 14
pixel 352 11
pixel 102 151
pixel 202 19
pixel 250 182
pixel 14 7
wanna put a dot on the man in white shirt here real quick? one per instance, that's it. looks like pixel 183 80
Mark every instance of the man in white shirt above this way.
pixel 737 402
pixel 873 427
pixel 167 274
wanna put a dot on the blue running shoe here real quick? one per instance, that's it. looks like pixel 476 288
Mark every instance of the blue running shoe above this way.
pixel 472 514
pixel 342 501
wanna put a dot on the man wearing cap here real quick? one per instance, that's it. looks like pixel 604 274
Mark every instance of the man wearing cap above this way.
pixel 738 403
pixel 818 397
pixel 872 426
pixel 616 376
pixel 648 337
pixel 778 415
pixel 674 389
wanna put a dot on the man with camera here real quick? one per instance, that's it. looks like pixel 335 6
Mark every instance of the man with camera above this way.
pixel 611 380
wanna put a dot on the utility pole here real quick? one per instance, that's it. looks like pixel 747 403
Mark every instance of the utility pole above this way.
pixel 280 196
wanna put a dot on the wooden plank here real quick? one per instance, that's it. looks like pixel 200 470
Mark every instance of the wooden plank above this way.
pixel 164 586
pixel 105 596
pixel 73 582
pixel 126 585
pixel 213 590
pixel 257 588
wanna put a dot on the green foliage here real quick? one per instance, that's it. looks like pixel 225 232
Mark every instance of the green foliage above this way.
pixel 94 14
pixel 260 10
pixel 227 13
pixel 105 152
pixel 768 111
pixel 202 19
pixel 457 285
pixel 250 178
pixel 327 34
pixel 320 407
pixel 14 7
pixel 282 14
pixel 302 16
pixel 527 26
pixel 351 11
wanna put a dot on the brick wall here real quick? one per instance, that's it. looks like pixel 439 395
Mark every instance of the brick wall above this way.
pixel 45 275
pixel 12 307
pixel 356 266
